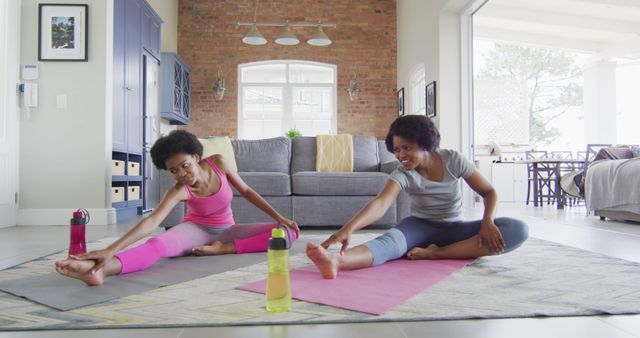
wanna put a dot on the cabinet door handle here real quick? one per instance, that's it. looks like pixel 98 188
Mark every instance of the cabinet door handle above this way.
pixel 128 88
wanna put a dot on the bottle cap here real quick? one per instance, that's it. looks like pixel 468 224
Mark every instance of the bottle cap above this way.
pixel 278 240
pixel 278 233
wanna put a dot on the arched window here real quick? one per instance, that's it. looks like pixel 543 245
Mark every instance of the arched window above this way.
pixel 417 94
pixel 275 96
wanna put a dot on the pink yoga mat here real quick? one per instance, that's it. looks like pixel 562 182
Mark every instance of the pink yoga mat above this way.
pixel 373 290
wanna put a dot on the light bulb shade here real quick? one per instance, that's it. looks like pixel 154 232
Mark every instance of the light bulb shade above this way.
pixel 218 93
pixel 287 38
pixel 254 37
pixel 319 38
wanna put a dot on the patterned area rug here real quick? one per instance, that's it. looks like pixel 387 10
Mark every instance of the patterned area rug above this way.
pixel 539 279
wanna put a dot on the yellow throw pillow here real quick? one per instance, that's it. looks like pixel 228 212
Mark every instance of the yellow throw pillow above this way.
pixel 219 145
pixel 334 153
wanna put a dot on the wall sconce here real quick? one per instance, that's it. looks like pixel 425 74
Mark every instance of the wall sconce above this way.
pixel 218 87
pixel 353 89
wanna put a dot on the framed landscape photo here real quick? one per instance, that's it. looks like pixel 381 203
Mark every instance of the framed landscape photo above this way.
pixel 430 92
pixel 62 32
pixel 400 102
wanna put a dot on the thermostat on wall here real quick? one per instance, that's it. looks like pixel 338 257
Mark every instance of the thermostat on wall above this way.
pixel 30 72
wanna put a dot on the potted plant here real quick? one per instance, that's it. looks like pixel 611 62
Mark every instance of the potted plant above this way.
pixel 293 132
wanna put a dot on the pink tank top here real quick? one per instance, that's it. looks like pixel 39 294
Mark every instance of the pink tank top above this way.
pixel 214 210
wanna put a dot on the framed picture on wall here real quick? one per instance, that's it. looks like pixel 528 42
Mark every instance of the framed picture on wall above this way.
pixel 430 92
pixel 62 32
pixel 400 102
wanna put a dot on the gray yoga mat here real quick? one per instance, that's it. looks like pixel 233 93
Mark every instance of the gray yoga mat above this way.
pixel 65 293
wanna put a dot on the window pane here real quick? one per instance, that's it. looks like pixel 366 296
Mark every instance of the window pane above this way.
pixel 312 103
pixel 262 102
pixel 299 73
pixel 272 128
pixel 321 127
pixel 305 127
pixel 258 129
pixel 265 73
pixel 252 129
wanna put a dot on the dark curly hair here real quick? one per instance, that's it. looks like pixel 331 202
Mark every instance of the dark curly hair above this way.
pixel 416 128
pixel 177 142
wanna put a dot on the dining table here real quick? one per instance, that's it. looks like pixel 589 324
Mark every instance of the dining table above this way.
pixel 555 168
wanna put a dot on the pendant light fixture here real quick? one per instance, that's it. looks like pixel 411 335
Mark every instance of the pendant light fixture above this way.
pixel 288 37
pixel 254 37
pixel 319 38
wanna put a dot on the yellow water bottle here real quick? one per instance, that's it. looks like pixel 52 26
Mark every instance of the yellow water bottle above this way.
pixel 278 283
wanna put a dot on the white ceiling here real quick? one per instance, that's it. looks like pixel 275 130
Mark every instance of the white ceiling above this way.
pixel 606 28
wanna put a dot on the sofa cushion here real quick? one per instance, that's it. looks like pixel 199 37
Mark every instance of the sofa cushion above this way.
pixel 266 183
pixel 266 155
pixel 388 161
pixel 334 210
pixel 312 183
pixel 365 154
pixel 303 154
pixel 614 153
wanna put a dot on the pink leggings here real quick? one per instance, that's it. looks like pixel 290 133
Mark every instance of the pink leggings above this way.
pixel 180 239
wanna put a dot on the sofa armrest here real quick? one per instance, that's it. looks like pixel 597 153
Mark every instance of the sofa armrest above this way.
pixel 388 167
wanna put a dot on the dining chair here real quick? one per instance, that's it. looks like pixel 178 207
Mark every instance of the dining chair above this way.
pixel 544 174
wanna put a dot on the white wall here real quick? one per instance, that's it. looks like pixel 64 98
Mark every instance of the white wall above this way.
pixel 168 11
pixel 9 131
pixel 600 102
pixel 65 153
pixel 429 32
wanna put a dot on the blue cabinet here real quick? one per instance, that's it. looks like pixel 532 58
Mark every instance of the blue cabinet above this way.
pixel 175 89
pixel 136 35
pixel 151 31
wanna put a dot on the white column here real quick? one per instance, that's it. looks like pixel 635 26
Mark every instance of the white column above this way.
pixel 599 102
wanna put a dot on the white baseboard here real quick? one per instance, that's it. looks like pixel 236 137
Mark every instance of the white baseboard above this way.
pixel 62 216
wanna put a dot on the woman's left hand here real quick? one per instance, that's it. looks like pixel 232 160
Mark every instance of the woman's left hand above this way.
pixel 490 234
pixel 290 223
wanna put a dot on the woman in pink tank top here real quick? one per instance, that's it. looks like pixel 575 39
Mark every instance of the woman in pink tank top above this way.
pixel 207 229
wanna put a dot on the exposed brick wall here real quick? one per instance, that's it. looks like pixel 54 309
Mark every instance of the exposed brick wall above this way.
pixel 364 42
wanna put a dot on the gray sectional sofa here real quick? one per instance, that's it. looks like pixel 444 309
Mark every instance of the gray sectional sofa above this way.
pixel 283 172
pixel 611 183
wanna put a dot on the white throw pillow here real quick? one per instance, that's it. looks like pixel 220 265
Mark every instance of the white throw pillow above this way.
pixel 219 145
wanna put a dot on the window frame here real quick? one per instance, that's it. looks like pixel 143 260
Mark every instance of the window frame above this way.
pixel 287 121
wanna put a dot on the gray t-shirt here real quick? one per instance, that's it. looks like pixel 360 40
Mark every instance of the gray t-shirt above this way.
pixel 436 201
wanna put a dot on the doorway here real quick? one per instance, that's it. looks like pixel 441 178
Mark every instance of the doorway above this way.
pixel 9 65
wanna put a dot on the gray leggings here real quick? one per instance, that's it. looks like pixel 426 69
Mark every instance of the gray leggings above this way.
pixel 414 232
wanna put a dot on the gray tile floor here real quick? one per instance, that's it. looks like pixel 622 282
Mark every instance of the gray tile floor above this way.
pixel 570 227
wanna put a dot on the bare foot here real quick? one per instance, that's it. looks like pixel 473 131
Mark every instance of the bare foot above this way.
pixel 423 253
pixel 216 248
pixel 80 270
pixel 327 262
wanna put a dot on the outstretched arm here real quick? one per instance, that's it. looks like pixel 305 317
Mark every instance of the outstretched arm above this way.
pixel 139 231
pixel 371 212
pixel 251 195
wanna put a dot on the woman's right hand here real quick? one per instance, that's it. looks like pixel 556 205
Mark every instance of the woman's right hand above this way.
pixel 341 236
pixel 101 257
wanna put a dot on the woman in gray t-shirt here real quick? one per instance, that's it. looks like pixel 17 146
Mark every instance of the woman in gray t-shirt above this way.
pixel 435 229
